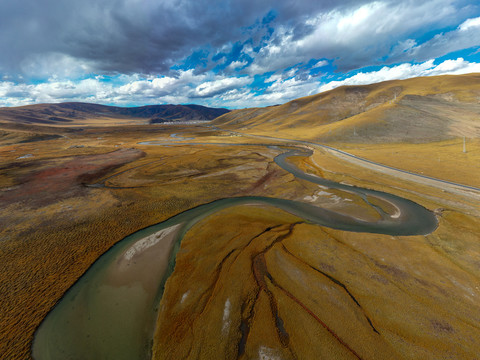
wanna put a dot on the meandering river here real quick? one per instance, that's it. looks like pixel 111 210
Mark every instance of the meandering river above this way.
pixel 110 312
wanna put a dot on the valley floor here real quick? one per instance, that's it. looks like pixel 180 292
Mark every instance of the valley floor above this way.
pixel 249 281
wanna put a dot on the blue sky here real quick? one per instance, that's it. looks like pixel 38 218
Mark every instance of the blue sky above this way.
pixel 233 54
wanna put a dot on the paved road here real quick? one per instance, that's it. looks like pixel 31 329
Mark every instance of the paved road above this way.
pixel 468 187
pixel 400 170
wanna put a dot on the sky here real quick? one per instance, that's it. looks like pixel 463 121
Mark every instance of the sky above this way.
pixel 225 53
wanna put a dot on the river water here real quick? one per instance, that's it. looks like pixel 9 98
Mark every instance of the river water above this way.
pixel 110 312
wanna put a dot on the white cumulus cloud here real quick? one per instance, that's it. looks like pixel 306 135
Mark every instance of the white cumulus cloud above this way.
pixel 216 86
pixel 356 36
pixel 470 23
pixel 210 89
pixel 405 71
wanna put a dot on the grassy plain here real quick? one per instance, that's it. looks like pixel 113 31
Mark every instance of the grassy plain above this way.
pixel 53 234
pixel 443 160
pixel 264 284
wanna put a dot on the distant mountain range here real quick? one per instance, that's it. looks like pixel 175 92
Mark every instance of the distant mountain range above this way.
pixel 72 113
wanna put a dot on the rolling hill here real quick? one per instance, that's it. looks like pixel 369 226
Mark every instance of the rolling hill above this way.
pixel 417 110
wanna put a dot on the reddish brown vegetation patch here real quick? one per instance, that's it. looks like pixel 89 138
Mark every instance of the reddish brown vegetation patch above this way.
pixel 66 180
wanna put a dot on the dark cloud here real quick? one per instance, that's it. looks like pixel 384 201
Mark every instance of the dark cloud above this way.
pixel 40 39
pixel 136 36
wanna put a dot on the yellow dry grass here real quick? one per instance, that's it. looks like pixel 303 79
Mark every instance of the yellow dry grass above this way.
pixel 46 248
pixel 331 167
pixel 443 160
pixel 362 113
pixel 271 285
pixel 213 277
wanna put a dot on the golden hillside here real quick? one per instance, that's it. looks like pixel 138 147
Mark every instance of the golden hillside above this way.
pixel 414 111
